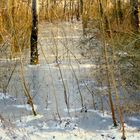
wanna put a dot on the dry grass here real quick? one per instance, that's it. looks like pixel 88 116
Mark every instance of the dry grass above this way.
pixel 15 27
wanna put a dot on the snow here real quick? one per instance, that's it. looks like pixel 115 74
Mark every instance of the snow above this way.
pixel 26 119
pixel 4 96
pixel 134 119
pixel 122 54
pixel 90 125
pixel 66 129
pixel 75 123
pixel 26 106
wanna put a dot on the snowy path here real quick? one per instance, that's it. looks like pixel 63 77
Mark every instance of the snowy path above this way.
pixel 46 84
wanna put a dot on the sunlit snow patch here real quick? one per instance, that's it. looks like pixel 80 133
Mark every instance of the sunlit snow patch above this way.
pixel 5 96
pixel 26 106
pixel 72 110
pixel 9 60
pixel 34 66
pixel 122 54
pixel 23 121
pixel 134 119
pixel 104 114
pixel 12 134
pixel 66 123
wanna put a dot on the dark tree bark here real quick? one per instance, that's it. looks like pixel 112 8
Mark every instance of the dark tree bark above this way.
pixel 120 13
pixel 81 6
pixel 64 9
pixel 34 34
pixel 78 11
pixel 134 15
pixel 103 16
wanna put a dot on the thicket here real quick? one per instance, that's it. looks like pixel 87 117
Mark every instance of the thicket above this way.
pixel 113 25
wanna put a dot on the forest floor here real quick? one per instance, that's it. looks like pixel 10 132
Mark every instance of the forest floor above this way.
pixel 62 68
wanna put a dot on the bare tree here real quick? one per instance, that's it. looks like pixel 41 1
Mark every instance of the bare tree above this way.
pixel 81 6
pixel 120 13
pixel 34 34
pixel 134 15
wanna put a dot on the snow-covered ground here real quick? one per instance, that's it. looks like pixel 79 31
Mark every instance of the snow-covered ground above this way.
pixel 45 84
pixel 92 125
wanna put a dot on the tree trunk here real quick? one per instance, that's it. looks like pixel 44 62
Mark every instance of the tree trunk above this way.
pixel 81 6
pixel 103 16
pixel 34 34
pixel 109 87
pixel 64 8
pixel 119 11
pixel 134 15
pixel 78 11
